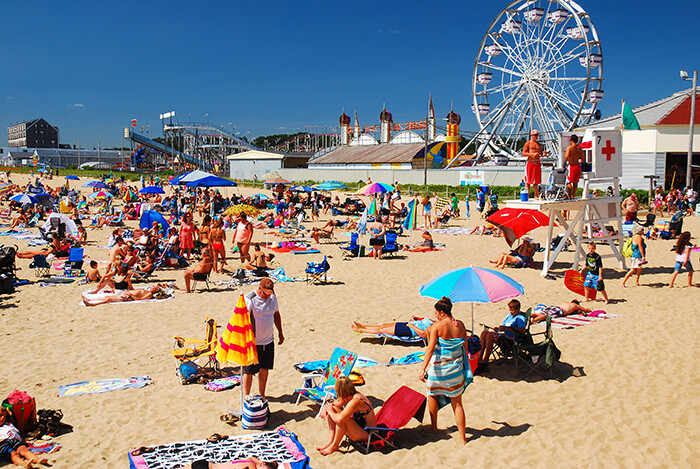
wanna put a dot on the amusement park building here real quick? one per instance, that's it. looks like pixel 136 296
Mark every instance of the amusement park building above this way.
pixel 248 164
pixel 660 148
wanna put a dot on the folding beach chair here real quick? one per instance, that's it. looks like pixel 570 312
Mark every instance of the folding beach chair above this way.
pixel 189 351
pixel 75 258
pixel 197 277
pixel 320 387
pixel 507 348
pixel 41 267
pixel 317 272
pixel 539 357
pixel 390 247
pixel 351 248
pixel 327 237
pixel 556 185
pixel 395 414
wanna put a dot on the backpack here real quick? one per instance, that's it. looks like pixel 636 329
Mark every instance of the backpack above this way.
pixel 627 248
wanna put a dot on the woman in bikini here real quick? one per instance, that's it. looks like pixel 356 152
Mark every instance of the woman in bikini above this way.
pixel 217 236
pixel 205 231
pixel 260 260
pixel 187 232
pixel 117 279
pixel 348 415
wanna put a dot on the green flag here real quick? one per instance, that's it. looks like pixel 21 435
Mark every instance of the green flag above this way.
pixel 629 120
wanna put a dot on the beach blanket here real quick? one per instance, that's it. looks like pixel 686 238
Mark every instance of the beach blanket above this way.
pixel 448 373
pixel 453 231
pixel 94 296
pixel 413 339
pixel 575 320
pixel 43 447
pixel 279 445
pixel 37 242
pixel 222 384
pixel 361 362
pixel 280 276
pixel 103 385
pixel 13 232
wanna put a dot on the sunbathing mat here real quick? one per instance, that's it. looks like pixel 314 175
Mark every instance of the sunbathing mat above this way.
pixel 280 445
pixel 454 231
pixel 222 384
pixel 43 447
pixel 103 385
pixel 575 320
pixel 102 294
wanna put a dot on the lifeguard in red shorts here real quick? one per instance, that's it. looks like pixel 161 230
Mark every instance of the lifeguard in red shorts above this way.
pixel 533 170
pixel 574 157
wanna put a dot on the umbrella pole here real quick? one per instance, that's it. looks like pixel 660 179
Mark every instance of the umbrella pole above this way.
pixel 472 318
pixel 238 413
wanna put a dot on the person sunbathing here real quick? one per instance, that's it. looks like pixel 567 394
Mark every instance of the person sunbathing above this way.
pixel 20 221
pixel 487 229
pixel 116 279
pixel 325 232
pixel 59 248
pixel 426 245
pixel 12 445
pixel 259 261
pixel 155 291
pixel 521 257
pixel 540 312
pixel 416 327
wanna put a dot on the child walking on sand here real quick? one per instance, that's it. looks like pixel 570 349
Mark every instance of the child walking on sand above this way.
pixel 683 249
pixel 12 445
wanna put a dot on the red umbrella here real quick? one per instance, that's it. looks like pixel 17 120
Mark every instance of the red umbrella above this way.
pixel 515 222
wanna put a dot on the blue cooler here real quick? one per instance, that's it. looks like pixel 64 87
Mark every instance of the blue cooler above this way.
pixel 524 195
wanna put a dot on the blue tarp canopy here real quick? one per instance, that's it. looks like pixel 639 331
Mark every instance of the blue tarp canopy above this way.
pixel 149 216
pixel 199 178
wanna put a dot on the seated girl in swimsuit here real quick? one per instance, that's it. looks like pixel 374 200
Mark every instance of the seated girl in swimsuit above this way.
pixel 416 327
pixel 349 414
pixel 260 260
pixel 426 245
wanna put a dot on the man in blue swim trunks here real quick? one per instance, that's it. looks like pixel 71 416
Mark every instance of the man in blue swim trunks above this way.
pixel 416 327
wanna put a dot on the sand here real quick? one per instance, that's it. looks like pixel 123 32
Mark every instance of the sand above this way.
pixel 625 393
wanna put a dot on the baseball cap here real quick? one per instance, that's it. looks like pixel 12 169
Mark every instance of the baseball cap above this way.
pixel 534 132
pixel 267 284
pixel 527 238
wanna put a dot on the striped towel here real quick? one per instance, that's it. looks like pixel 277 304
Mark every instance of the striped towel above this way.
pixel 448 374
pixel 575 320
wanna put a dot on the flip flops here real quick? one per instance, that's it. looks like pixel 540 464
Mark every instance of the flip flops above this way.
pixel 230 418
pixel 142 450
pixel 216 437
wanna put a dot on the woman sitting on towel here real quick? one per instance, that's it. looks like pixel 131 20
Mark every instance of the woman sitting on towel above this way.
pixel 120 296
pixel 445 368
pixel 416 327
pixel 349 414
pixel 425 246
pixel 117 279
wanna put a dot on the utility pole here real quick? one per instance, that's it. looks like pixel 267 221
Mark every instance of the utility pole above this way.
pixel 425 157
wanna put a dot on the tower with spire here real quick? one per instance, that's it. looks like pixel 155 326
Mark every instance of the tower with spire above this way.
pixel 452 140
pixel 344 128
pixel 385 120
pixel 356 127
pixel 431 121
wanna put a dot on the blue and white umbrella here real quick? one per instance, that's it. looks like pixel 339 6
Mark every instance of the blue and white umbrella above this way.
pixel 329 186
pixel 24 199
pixel 301 189
pixel 72 177
pixel 97 184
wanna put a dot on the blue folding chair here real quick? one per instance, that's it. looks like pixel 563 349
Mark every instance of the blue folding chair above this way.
pixel 75 258
pixel 317 271
pixel 391 247
pixel 351 248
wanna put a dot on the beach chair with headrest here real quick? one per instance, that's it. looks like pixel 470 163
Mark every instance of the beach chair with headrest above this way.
pixel 75 258
pixel 41 267
pixel 391 247
pixel 190 352
pixel 317 272
pixel 395 414
pixel 320 387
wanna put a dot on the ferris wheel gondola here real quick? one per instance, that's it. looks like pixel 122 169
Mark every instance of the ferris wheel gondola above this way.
pixel 539 66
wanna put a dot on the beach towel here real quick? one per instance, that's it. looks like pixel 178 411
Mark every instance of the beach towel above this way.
pixel 279 445
pixel 449 373
pixel 575 320
pixel 412 339
pixel 103 385
pixel 222 384
pixel 409 359
pixel 453 231
pixel 93 296
pixel 43 447
pixel 280 276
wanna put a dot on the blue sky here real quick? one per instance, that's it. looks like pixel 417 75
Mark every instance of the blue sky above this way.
pixel 275 67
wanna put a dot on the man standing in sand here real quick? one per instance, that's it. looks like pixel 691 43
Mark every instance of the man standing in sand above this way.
pixel 264 313
pixel 574 157
pixel 630 206
pixel 533 171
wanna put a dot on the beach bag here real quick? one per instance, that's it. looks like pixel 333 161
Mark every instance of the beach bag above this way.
pixel 255 413
pixel 23 414
pixel 627 248
pixel 239 274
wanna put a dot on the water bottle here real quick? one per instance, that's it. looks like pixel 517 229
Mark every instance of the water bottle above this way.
pixel 67 270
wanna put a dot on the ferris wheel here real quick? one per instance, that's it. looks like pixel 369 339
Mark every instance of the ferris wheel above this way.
pixel 539 66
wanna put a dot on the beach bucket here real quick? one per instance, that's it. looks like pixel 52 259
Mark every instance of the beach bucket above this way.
pixel 523 195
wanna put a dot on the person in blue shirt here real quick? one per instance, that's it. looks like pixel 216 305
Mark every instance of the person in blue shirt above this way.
pixel 480 199
pixel 514 323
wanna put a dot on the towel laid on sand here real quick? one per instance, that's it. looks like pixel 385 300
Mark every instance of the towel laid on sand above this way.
pixel 575 320
pixel 103 385
pixel 280 445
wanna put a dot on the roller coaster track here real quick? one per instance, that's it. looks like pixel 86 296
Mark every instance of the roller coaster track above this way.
pixel 170 153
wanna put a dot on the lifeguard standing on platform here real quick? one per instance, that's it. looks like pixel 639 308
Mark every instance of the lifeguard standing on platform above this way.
pixel 533 171
pixel 574 157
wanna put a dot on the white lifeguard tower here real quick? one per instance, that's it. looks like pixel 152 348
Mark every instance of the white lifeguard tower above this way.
pixel 605 156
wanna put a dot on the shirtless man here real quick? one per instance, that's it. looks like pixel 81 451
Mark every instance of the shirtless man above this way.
pixel 119 249
pixel 630 206
pixel 533 171
pixel 562 309
pixel 199 271
pixel 574 157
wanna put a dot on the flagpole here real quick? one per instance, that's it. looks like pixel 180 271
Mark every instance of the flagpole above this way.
pixel 622 115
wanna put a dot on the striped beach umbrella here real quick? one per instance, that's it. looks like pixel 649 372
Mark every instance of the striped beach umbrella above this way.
pixel 375 188
pixel 237 343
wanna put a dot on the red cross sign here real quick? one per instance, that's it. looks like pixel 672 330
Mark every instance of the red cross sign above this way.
pixel 608 150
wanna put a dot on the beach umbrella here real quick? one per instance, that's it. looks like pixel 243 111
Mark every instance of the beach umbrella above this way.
pixel 71 228
pixel 301 189
pixel 72 177
pixel 96 184
pixel 149 216
pixel 43 170
pixel 237 342
pixel 375 188
pixel 46 200
pixel 259 196
pixel 236 210
pixel 24 199
pixel 100 195
pixel 515 222
pixel 176 180
pixel 474 285
pixel 329 186
pixel 199 178
pixel 151 190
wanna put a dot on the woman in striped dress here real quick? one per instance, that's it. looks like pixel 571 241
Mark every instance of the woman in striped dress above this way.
pixel 445 368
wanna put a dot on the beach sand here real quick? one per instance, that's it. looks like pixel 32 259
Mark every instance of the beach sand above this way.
pixel 624 395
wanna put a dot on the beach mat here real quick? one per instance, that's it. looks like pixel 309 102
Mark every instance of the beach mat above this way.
pixel 305 251
pixel 103 385
pixel 575 320
pixel 279 445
